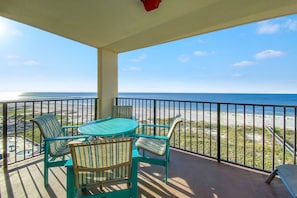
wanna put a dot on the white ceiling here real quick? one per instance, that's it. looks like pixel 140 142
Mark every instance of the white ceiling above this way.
pixel 123 25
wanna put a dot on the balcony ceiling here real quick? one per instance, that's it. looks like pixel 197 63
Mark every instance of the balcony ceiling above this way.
pixel 123 25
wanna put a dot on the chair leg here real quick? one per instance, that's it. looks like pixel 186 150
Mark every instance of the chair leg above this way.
pixel 166 173
pixel 45 170
pixel 166 164
pixel 271 176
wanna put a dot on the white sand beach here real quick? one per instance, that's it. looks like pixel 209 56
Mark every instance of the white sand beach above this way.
pixel 230 119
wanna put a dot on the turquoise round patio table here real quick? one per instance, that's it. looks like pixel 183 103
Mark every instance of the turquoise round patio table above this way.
pixel 109 127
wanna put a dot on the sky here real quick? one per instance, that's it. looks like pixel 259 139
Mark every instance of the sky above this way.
pixel 254 58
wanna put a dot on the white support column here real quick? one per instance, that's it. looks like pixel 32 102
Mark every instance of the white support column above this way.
pixel 107 81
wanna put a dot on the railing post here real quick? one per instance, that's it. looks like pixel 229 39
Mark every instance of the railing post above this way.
pixel 155 115
pixel 96 114
pixel 219 132
pixel 116 101
pixel 4 145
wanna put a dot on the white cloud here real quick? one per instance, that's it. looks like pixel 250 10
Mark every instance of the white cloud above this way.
pixel 12 56
pixel 270 27
pixel 267 27
pixel 243 63
pixel 203 53
pixel 183 58
pixel 200 53
pixel 291 25
pixel 132 68
pixel 268 54
pixel 200 41
pixel 31 63
pixel 140 58
pixel 15 60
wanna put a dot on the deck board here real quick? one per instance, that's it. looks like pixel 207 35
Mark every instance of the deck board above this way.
pixel 189 176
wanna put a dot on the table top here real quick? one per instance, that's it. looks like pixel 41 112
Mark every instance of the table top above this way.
pixel 109 127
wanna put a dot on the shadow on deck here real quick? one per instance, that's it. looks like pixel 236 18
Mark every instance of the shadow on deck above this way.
pixel 189 176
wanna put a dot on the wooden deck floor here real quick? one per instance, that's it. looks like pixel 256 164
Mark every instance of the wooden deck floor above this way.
pixel 189 176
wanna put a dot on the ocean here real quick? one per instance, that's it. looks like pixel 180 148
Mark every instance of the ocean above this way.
pixel 259 99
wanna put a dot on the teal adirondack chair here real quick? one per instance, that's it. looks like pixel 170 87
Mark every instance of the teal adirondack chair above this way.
pixel 101 164
pixel 157 145
pixel 55 141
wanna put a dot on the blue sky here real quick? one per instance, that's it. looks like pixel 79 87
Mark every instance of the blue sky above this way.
pixel 255 58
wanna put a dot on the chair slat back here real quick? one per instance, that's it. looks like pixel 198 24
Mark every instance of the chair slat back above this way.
pixel 50 128
pixel 100 162
pixel 122 111
pixel 178 119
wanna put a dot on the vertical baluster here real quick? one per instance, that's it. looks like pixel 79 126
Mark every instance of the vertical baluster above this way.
pixel 227 131
pixel 218 132
pixel 235 133
pixel 4 152
pixel 254 131
pixel 244 134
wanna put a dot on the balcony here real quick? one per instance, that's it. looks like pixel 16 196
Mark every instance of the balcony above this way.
pixel 221 150
pixel 190 175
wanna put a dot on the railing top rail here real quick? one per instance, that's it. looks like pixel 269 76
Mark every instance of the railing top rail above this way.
pixel 47 99
pixel 211 102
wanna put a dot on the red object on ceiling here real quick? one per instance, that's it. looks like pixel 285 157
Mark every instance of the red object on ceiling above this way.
pixel 151 4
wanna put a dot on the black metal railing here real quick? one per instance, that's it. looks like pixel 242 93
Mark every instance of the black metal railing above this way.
pixel 251 135
pixel 20 140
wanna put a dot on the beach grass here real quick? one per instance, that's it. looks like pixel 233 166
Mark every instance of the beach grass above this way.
pixel 250 146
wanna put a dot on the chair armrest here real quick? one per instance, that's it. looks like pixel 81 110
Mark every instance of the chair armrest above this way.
pixel 66 138
pixel 64 129
pixel 151 136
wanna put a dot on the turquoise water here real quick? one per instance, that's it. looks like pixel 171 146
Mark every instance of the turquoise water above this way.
pixel 261 99
pixel 288 100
